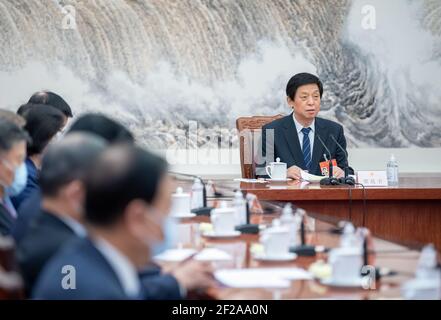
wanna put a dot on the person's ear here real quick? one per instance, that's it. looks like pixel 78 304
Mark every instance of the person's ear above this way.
pixel 75 191
pixel 290 102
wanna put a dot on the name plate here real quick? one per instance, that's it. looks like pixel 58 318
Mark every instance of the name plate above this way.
pixel 372 178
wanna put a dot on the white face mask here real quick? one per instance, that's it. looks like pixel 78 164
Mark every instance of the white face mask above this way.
pixel 20 178
pixel 168 228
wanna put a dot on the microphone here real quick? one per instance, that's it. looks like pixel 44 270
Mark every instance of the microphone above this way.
pixel 248 227
pixel 304 249
pixel 204 210
pixel 366 250
pixel 346 180
pixel 330 180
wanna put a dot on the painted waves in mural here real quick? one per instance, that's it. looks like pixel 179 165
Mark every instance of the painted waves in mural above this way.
pixel 157 64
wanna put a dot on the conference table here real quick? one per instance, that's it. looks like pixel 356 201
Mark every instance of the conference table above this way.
pixel 409 213
pixel 402 260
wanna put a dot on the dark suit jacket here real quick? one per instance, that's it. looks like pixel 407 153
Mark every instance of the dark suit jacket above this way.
pixel 32 184
pixel 43 239
pixel 6 220
pixel 287 146
pixel 159 286
pixel 26 215
pixel 95 278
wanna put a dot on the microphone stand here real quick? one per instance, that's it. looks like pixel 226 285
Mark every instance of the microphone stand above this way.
pixel 330 180
pixel 204 210
pixel 304 250
pixel 379 272
pixel 248 227
pixel 347 179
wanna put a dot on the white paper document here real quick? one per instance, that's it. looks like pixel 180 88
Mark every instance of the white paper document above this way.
pixel 261 277
pixel 213 254
pixel 310 177
pixel 178 255
pixel 174 255
pixel 250 180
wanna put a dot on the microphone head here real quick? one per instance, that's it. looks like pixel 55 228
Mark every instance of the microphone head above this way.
pixel 350 181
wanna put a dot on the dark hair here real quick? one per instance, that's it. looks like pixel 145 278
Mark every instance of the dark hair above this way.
pixel 68 160
pixel 10 134
pixel 121 174
pixel 42 123
pixel 301 79
pixel 53 99
pixel 24 109
pixel 101 125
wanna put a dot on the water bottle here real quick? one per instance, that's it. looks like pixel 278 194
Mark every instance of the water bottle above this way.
pixel 197 194
pixel 241 208
pixel 392 171
pixel 350 238
pixel 427 282
pixel 288 220
pixel 428 263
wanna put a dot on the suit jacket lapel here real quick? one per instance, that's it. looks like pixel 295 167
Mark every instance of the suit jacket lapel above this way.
pixel 318 149
pixel 292 139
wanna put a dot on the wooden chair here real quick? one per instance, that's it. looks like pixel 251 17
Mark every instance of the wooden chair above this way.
pixel 250 129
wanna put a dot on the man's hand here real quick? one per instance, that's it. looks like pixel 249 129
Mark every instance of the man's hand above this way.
pixel 294 173
pixel 338 172
pixel 194 275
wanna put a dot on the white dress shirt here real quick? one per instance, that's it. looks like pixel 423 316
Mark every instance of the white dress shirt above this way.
pixel 299 128
pixel 74 225
pixel 124 269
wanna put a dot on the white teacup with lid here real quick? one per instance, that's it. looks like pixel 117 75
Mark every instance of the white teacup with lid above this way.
pixel 277 170
pixel 223 220
pixel 275 240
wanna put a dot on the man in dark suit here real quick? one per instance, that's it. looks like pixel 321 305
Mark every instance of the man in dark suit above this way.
pixel 60 218
pixel 127 201
pixel 12 154
pixel 298 138
pixel 98 124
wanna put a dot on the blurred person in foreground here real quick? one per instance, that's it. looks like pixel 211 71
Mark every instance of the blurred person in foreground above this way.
pixel 127 202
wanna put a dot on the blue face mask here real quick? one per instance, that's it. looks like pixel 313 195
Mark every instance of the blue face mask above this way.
pixel 19 183
pixel 169 227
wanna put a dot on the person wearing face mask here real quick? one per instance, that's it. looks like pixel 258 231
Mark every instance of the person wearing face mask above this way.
pixel 106 128
pixel 42 124
pixel 13 141
pixel 61 215
pixel 127 202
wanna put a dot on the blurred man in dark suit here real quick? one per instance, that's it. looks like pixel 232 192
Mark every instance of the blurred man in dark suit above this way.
pixel 13 141
pixel 60 218
pixel 106 128
pixel 43 123
pixel 127 201
pixel 295 139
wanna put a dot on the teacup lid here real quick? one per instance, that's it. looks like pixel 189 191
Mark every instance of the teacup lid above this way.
pixel 180 193
pixel 223 208
pixel 278 162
